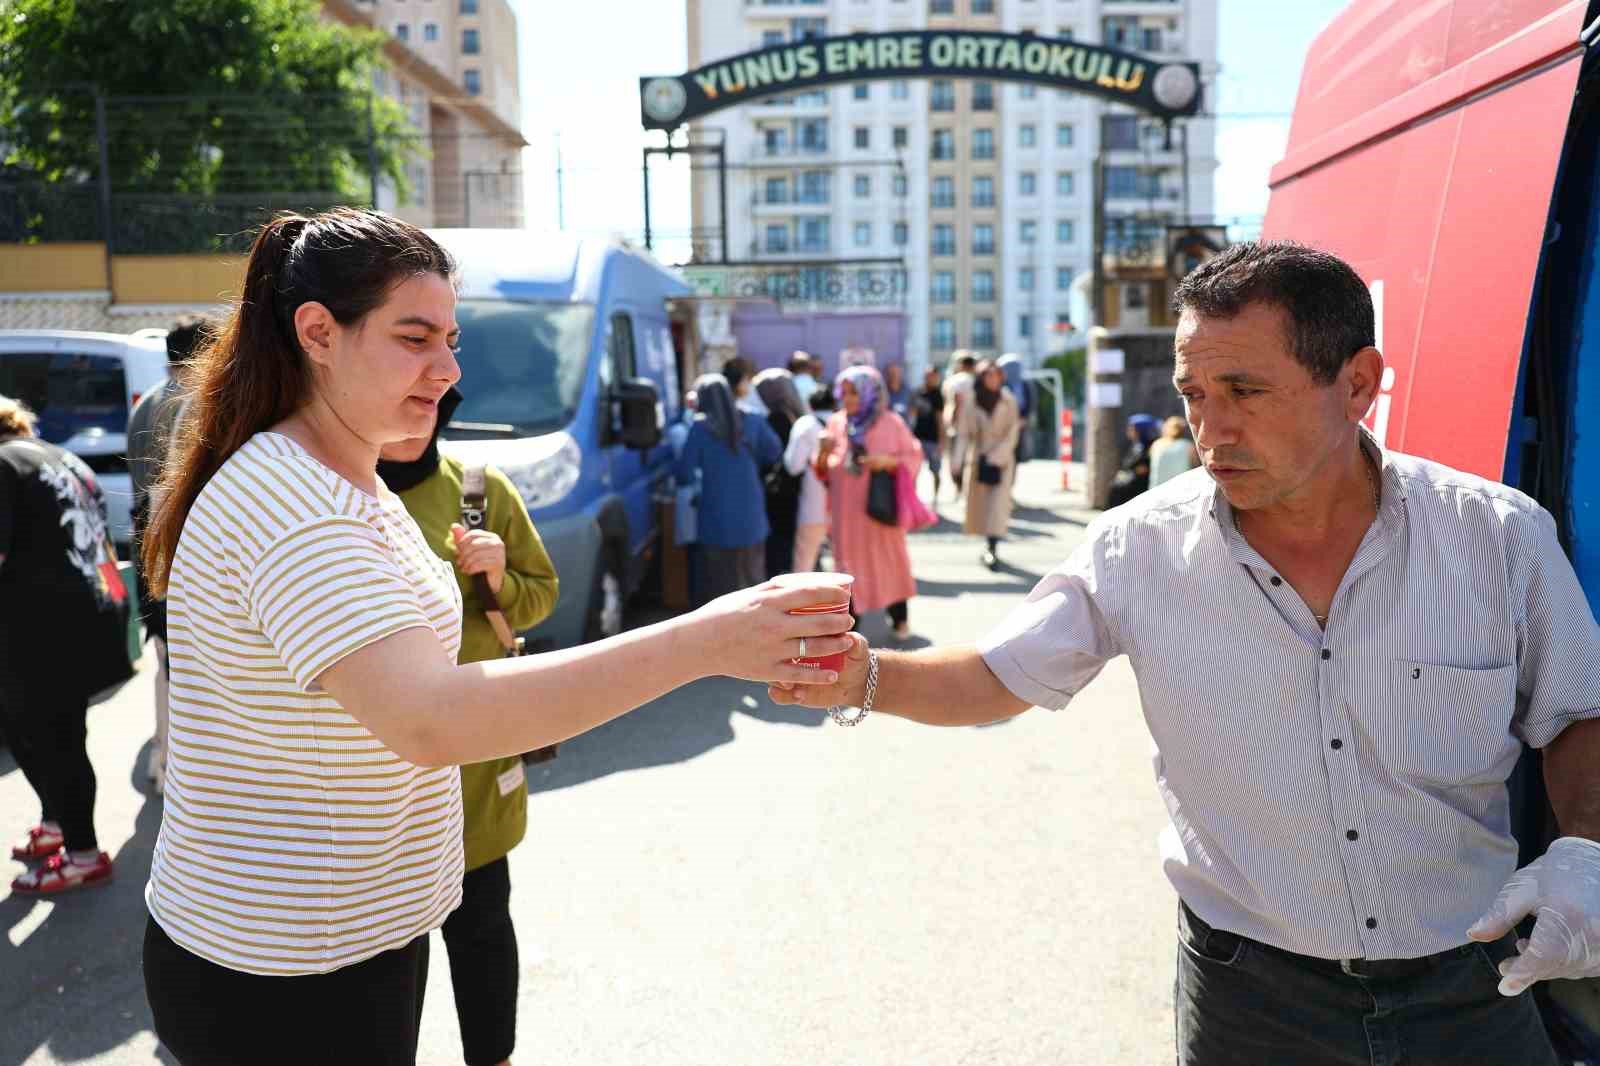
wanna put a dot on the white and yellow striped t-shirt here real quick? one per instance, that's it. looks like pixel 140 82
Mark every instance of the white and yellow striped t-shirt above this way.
pixel 293 840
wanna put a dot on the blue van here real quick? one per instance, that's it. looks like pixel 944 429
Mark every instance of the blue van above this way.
pixel 569 373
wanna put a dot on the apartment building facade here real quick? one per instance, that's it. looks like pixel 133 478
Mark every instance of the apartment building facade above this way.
pixel 984 188
pixel 453 65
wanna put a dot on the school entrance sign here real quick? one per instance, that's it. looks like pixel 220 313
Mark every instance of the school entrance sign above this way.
pixel 1165 90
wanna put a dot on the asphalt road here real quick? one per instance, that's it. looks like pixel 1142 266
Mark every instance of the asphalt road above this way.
pixel 714 879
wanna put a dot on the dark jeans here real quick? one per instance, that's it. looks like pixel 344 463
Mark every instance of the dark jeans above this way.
pixel 1242 1003
pixel 207 1014
pixel 49 737
pixel 482 945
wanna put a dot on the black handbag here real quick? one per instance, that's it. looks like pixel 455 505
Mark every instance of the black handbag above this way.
pixel 988 473
pixel 883 504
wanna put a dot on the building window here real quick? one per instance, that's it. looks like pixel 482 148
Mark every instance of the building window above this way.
pixel 402 31
pixel 863 186
pixel 902 234
pixel 983 239
pixel 983 96
pixel 777 140
pixel 942 192
pixel 1063 322
pixel 469 7
pixel 1064 183
pixel 941 7
pixel 1025 279
pixel 1063 279
pixel 801 29
pixel 814 187
pixel 1122 133
pixel 1064 135
pixel 1133 296
pixel 1027 183
pixel 1027 136
pixel 1028 92
pixel 942 290
pixel 944 334
pixel 862 234
pixel 1150 38
pixel 430 32
pixel 983 286
pixel 771 38
pixel 983 332
pixel 983 144
pixel 942 96
pixel 811 134
pixel 900 136
pixel 469 42
pixel 472 81
pixel 861 90
pixel 1066 33
pixel 1064 232
pixel 983 7
pixel 814 234
pixel 863 137
pixel 777 190
pixel 777 238
pixel 1028 232
pixel 942 145
pixel 944 239
pixel 900 185
pixel 1024 325
pixel 983 192
pixel 900 90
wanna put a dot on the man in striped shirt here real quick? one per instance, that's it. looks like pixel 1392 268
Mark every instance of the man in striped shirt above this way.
pixel 1340 651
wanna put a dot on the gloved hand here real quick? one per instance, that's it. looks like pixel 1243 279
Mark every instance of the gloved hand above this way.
pixel 1563 887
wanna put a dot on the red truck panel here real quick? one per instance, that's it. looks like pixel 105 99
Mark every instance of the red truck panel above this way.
pixel 1424 151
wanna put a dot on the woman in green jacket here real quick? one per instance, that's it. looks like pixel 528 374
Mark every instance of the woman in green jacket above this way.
pixel 478 935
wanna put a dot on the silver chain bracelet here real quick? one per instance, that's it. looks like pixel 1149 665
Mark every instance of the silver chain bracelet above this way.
pixel 837 713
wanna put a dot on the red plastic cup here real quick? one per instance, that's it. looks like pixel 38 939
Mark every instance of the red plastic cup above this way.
pixel 824 579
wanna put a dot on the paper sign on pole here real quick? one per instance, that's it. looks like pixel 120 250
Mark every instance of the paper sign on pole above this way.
pixel 1105 394
pixel 1109 361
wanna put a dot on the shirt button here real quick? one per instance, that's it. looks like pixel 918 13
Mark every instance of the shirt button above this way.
pixel 1335 743
pixel 1326 654
pixel 1372 923
pixel 1351 834
pixel 1276 580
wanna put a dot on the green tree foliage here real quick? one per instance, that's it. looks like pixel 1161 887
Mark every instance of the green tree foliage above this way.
pixel 1072 364
pixel 249 102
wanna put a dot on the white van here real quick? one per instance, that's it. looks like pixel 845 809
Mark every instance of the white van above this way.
pixel 82 386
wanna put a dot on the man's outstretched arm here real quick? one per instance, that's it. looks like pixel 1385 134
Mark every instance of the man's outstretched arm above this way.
pixel 937 686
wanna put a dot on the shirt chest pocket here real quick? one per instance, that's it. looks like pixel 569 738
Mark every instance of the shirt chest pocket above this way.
pixel 1453 723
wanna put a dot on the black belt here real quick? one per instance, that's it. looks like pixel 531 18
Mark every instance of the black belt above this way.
pixel 1374 969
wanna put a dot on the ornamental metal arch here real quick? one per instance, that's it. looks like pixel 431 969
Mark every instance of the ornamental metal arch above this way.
pixel 1165 90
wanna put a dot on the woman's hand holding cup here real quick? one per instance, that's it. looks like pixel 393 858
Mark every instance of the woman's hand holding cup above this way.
pixel 756 634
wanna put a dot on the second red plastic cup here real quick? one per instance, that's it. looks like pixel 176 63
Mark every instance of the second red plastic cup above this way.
pixel 812 580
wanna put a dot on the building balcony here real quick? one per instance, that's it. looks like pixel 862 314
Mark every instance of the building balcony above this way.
pixel 767 208
pixel 779 9
pixel 804 153
pixel 800 105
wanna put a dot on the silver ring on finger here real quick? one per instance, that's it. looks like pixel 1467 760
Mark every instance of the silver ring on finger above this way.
pixel 802 654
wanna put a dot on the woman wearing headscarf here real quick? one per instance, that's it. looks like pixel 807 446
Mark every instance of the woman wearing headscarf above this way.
pixel 728 450
pixel 864 437
pixel 991 425
pixel 479 935
pixel 779 396
pixel 1134 477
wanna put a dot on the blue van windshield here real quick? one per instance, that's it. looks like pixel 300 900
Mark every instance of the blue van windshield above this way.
pixel 69 391
pixel 522 364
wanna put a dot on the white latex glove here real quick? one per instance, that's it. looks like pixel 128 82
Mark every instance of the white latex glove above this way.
pixel 1562 887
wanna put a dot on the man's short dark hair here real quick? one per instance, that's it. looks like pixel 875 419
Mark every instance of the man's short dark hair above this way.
pixel 185 336
pixel 968 362
pixel 800 363
pixel 737 370
pixel 821 399
pixel 1328 305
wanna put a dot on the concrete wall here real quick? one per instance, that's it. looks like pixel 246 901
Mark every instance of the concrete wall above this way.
pixel 1143 385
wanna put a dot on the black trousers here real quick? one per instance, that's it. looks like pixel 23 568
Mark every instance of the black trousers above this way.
pixel 48 731
pixel 207 1014
pixel 482 945
pixel 1243 1003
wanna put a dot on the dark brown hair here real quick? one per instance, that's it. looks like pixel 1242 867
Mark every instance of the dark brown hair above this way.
pixel 1327 304
pixel 252 373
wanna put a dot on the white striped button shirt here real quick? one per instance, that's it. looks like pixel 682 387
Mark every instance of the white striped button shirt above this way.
pixel 1340 794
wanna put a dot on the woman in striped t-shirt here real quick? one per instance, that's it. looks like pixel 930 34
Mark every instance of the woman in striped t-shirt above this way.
pixel 312 828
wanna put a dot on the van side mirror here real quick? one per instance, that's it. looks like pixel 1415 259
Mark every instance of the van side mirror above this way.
pixel 638 407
